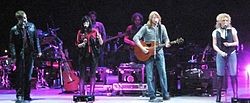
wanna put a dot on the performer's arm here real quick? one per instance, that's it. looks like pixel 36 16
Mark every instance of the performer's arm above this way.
pixel 103 31
pixel 235 39
pixel 99 37
pixel 126 38
pixel 216 48
pixel 137 38
pixel 78 40
pixel 12 46
pixel 37 42
pixel 165 36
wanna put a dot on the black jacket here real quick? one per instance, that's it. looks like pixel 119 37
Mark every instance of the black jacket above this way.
pixel 16 40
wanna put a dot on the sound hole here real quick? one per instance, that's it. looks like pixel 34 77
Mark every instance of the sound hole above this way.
pixel 148 45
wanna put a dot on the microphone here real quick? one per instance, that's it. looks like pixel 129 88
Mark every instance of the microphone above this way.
pixel 225 26
pixel 24 24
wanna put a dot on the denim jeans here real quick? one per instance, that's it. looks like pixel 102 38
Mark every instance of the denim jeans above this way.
pixel 160 64
pixel 230 61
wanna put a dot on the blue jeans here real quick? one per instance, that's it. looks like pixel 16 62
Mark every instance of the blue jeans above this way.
pixel 230 61
pixel 160 64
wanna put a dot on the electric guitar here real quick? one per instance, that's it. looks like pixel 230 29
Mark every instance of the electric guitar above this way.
pixel 114 37
pixel 140 55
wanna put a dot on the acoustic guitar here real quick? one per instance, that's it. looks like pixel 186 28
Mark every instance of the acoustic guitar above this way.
pixel 140 55
pixel 70 79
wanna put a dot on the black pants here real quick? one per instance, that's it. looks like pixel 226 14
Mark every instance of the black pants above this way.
pixel 24 69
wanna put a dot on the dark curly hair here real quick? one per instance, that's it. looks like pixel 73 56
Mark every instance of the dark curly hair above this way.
pixel 135 15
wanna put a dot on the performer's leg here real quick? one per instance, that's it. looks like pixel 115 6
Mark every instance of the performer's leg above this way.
pixel 92 86
pixel 29 62
pixel 220 64
pixel 19 79
pixel 160 63
pixel 82 71
pixel 219 87
pixel 234 83
pixel 94 64
pixel 232 66
pixel 150 78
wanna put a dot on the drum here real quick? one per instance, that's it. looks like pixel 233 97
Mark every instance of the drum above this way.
pixel 193 73
pixel 50 52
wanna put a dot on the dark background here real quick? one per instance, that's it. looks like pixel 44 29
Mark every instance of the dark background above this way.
pixel 193 20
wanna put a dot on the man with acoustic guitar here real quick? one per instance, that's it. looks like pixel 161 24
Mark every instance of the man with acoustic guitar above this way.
pixel 156 33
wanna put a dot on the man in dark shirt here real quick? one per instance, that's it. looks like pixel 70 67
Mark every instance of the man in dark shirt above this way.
pixel 23 45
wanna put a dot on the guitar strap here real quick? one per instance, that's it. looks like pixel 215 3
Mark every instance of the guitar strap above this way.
pixel 159 32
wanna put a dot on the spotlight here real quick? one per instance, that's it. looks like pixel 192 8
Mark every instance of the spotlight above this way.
pixel 248 68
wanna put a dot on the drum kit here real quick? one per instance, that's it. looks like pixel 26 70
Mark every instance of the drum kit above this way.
pixel 6 69
pixel 48 63
pixel 201 64
pixel 50 45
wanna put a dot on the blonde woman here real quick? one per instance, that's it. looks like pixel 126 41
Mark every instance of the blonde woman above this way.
pixel 225 40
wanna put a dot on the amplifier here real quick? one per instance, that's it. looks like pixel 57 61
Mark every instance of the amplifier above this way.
pixel 129 87
pixel 131 73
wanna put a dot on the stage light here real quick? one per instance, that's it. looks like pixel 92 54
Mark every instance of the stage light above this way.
pixel 248 68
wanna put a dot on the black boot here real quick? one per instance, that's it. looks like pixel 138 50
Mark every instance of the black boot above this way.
pixel 19 94
pixel 92 86
pixel 219 87
pixel 234 83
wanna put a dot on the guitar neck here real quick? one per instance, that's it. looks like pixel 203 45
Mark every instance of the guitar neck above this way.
pixel 115 37
pixel 162 45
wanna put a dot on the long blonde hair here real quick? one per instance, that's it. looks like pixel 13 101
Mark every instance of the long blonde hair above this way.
pixel 220 17
pixel 150 23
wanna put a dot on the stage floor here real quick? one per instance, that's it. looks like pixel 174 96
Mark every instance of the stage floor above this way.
pixel 48 95
pixel 43 95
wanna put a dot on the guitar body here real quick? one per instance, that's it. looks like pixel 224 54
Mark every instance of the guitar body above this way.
pixel 70 80
pixel 140 55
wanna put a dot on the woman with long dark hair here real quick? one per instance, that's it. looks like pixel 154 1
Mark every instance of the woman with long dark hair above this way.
pixel 88 42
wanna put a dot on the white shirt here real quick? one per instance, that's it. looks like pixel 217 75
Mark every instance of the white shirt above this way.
pixel 222 32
